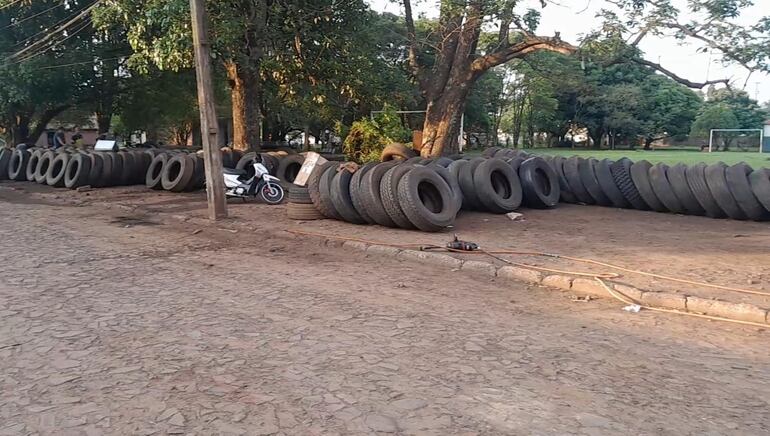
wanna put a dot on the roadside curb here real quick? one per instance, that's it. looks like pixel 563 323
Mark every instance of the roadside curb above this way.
pixel 583 286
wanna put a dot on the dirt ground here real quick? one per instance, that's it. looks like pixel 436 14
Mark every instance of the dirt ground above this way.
pixel 722 252
pixel 118 321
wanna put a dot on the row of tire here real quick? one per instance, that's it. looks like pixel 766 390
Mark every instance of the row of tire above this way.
pixel 718 190
pixel 427 194
pixel 72 168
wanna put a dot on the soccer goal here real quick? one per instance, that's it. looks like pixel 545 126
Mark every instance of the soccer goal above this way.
pixel 738 135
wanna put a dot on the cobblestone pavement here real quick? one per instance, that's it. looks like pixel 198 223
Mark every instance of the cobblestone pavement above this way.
pixel 130 325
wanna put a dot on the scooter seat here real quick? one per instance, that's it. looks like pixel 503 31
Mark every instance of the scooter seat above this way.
pixel 234 172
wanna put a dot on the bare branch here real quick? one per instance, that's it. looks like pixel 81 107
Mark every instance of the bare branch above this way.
pixel 678 79
pixel 530 44
pixel 411 36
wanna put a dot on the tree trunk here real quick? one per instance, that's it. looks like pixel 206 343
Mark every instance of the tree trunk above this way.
pixel 103 122
pixel 441 130
pixel 246 95
pixel 20 130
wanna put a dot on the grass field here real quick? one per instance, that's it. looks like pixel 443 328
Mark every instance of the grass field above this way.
pixel 670 157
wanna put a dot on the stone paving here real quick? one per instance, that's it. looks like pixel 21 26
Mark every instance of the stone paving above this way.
pixel 128 325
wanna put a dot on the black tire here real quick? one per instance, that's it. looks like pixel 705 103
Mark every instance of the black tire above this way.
pixel 41 170
pixel 327 205
pixel 490 152
pixel 515 163
pixel 572 174
pixel 417 160
pixel 142 161
pixel 299 195
pixel 471 200
pixel 603 171
pixel 621 173
pixel 456 156
pixel 397 152
pixel 128 169
pixel 677 176
pixel 738 180
pixel 17 165
pixel 663 190
pixel 696 179
pixel 116 169
pixel 716 179
pixel 154 177
pixel 340 193
pixel 454 185
pixel 356 194
pixel 97 168
pixel 539 183
pixel 313 186
pixel 55 175
pixel 303 212
pixel 289 166
pixel 246 163
pixel 557 163
pixel 389 195
pixel 270 162
pixel 5 159
pixel 640 174
pixel 78 170
pixel 426 199
pixel 586 168
pixel 497 186
pixel 177 173
pixel 108 163
pixel 227 158
pixel 760 185
pixel 369 193
pixel 442 162
pixel 34 160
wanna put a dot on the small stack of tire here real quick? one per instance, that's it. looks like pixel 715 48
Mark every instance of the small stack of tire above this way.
pixel 300 206
pixel 392 194
pixel 717 191
pixel 176 172
pixel 72 168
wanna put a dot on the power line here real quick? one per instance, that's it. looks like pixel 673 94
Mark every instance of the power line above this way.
pixel 10 4
pixel 21 43
pixel 51 67
pixel 83 26
pixel 24 20
pixel 60 29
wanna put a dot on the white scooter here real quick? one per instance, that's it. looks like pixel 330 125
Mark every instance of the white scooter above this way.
pixel 240 185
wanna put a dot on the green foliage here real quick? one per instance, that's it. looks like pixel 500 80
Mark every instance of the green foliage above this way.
pixel 367 138
pixel 714 116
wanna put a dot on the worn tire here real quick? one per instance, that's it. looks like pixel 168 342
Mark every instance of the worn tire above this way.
pixel 177 173
pixel 77 171
pixel 603 171
pixel 116 168
pixel 314 187
pixel 356 193
pixel 55 175
pixel 299 195
pixel 760 186
pixel 572 174
pixel 5 159
pixel 128 166
pixel 370 194
pixel 198 180
pixel 389 195
pixel 327 205
pixel 41 170
pixel 246 163
pixel 539 183
pixel 497 186
pixel 17 165
pixel 154 177
pixel 490 152
pixel 738 180
pixel 426 199
pixel 677 176
pixel 397 152
pixel 621 173
pixel 303 212
pixel 443 162
pixel 640 174
pixel 696 180
pixel 454 185
pixel 567 196
pixel 340 193
pixel 34 160
pixel 587 171
pixel 663 190
pixel 97 167
pixel 716 179
pixel 471 200
pixel 289 166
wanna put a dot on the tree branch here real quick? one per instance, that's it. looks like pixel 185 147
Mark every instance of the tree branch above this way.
pixel 681 80
pixel 530 44
pixel 411 35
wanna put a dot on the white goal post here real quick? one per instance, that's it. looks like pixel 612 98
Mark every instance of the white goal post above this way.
pixel 761 137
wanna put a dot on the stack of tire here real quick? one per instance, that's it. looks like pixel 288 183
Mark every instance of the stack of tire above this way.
pixel 280 164
pixel 717 191
pixel 73 168
pixel 392 194
pixel 301 207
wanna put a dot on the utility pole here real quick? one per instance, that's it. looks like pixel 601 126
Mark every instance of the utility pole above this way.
pixel 215 189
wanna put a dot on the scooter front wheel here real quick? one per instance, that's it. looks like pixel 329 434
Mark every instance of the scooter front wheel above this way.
pixel 272 193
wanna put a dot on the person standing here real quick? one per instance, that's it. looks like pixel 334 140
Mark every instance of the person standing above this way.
pixel 59 139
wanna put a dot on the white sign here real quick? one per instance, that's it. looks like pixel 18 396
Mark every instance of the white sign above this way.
pixel 311 160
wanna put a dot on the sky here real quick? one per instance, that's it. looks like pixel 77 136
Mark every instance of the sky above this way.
pixel 576 17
